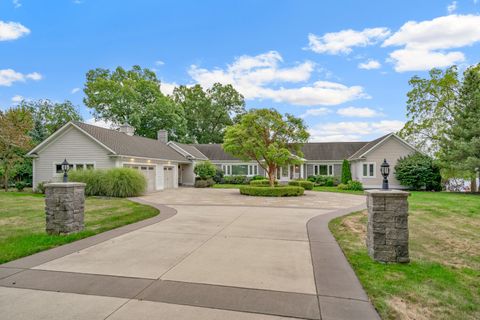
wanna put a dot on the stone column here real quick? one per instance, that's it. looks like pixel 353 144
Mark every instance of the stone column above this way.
pixel 387 228
pixel 64 206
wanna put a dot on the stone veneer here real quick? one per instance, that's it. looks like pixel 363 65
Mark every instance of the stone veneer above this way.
pixel 387 228
pixel 64 207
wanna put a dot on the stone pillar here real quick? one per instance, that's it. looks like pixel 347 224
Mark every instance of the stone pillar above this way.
pixel 387 228
pixel 64 205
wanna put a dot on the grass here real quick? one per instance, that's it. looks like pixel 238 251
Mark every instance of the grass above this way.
pixel 335 189
pixel 22 222
pixel 443 279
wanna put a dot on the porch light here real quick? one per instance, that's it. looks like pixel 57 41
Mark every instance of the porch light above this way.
pixel 385 171
pixel 65 168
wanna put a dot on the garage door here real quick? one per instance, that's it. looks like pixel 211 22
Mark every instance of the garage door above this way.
pixel 148 172
pixel 168 177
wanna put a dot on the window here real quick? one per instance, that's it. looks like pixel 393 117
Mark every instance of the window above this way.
pixel 240 169
pixel 90 166
pixel 323 169
pixel 79 167
pixel 368 170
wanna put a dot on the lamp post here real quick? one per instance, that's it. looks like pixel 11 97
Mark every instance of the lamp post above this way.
pixel 65 168
pixel 385 170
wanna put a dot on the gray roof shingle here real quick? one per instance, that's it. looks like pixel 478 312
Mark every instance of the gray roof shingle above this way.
pixel 123 144
pixel 192 150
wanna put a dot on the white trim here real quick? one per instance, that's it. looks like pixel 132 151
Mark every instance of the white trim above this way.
pixel 318 164
pixel 179 149
pixel 368 170
pixel 227 168
pixel 148 158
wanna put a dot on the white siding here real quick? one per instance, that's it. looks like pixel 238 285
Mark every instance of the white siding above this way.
pixel 188 176
pixel 76 147
pixel 392 150
pixel 159 164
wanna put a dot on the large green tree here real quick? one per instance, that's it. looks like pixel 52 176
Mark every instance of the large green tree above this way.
pixel 268 137
pixel 209 112
pixel 15 125
pixel 430 107
pixel 460 147
pixel 49 116
pixel 133 97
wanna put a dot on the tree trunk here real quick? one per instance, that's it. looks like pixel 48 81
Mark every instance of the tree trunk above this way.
pixel 271 175
pixel 473 183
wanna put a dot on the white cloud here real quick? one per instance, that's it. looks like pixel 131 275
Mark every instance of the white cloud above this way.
pixel 17 98
pixel 343 41
pixel 16 4
pixel 370 64
pixel 358 112
pixel 101 123
pixel 259 77
pixel 159 63
pixel 425 42
pixel 75 90
pixel 12 30
pixel 9 76
pixel 352 131
pixel 167 87
pixel 315 112
pixel 452 7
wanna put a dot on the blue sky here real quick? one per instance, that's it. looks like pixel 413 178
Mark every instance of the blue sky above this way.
pixel 343 66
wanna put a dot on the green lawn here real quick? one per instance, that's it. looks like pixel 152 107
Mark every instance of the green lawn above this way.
pixel 335 189
pixel 443 279
pixel 226 186
pixel 22 222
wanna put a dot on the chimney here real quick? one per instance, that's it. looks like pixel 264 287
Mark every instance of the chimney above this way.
pixel 162 135
pixel 127 129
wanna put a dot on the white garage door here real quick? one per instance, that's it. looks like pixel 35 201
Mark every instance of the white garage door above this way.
pixel 148 172
pixel 168 177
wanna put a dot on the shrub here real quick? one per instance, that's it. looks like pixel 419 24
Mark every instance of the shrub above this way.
pixel 320 180
pixel 307 185
pixel 346 172
pixel 205 170
pixel 261 183
pixel 218 178
pixel 40 187
pixel 20 185
pixel 283 191
pixel 258 177
pixel 124 182
pixel 115 182
pixel 418 172
pixel 352 185
pixel 236 179
pixel 199 183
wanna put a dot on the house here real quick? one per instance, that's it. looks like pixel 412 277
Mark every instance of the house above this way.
pixel 167 164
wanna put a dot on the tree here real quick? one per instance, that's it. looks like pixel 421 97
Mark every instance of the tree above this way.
pixel 269 138
pixel 50 116
pixel 430 107
pixel 460 147
pixel 15 124
pixel 208 113
pixel 418 171
pixel 346 172
pixel 134 97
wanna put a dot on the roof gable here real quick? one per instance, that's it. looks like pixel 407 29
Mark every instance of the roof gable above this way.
pixel 369 147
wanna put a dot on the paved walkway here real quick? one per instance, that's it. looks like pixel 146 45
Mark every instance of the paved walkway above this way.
pixel 210 254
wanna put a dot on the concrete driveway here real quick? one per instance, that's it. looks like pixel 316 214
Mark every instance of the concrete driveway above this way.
pixel 210 254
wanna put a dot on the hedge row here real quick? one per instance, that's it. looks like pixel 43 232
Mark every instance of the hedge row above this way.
pixel 352 185
pixel 307 185
pixel 262 183
pixel 283 191
pixel 116 182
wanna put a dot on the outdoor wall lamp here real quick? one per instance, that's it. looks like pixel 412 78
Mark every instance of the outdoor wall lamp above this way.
pixel 385 171
pixel 65 168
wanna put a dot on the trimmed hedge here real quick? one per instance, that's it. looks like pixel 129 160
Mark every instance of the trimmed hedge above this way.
pixel 307 185
pixel 236 180
pixel 115 182
pixel 322 180
pixel 262 183
pixel 207 183
pixel 283 191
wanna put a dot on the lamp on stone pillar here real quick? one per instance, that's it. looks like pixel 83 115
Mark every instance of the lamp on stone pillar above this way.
pixel 385 171
pixel 65 168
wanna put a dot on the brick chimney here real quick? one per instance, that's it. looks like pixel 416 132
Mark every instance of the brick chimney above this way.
pixel 162 135
pixel 127 129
